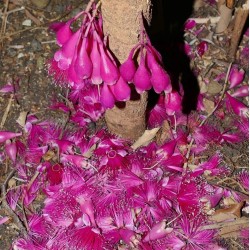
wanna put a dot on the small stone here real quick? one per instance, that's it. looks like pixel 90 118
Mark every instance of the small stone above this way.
pixel 26 22
pixel 36 45
pixel 11 52
pixel 40 63
pixel 20 55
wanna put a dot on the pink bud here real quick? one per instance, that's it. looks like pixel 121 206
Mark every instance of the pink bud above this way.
pixel 159 78
pixel 202 48
pixel 6 135
pixel 242 91
pixel 109 72
pixel 107 99
pixel 190 24
pixel 236 77
pixel 121 90
pixel 65 55
pixel 172 102
pixel 64 33
pixel 142 77
pixel 128 68
pixel 96 61
pixel 11 150
pixel 83 65
pixel 238 107
pixel 158 231
pixel 73 77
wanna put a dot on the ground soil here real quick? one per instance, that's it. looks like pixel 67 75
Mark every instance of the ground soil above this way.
pixel 24 55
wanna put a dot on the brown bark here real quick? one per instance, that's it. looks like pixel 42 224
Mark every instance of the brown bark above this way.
pixel 241 15
pixel 122 23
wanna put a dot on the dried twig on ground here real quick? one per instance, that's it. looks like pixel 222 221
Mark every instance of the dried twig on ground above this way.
pixel 13 215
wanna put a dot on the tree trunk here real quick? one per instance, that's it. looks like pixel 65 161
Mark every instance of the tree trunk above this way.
pixel 121 21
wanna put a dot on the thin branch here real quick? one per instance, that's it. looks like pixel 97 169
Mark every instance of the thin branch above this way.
pixel 15 218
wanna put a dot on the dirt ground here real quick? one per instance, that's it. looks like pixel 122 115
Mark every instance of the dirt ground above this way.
pixel 26 46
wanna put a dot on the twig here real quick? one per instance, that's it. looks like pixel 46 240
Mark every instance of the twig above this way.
pixel 209 115
pixel 240 20
pixel 22 202
pixel 11 11
pixel 5 16
pixel 6 112
pixel 218 225
pixel 15 218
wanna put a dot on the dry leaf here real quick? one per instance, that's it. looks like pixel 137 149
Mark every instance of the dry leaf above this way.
pixel 164 133
pixel 49 155
pixel 12 183
pixel 89 153
pixel 146 138
pixel 214 88
pixel 229 228
pixel 208 105
pixel 22 118
pixel 234 209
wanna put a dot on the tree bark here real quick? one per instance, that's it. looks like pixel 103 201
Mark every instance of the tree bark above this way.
pixel 121 21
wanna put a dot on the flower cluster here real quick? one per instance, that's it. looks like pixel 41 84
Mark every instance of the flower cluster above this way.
pixel 84 62
pixel 101 194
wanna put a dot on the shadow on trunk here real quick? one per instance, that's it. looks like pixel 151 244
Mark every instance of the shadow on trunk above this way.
pixel 166 34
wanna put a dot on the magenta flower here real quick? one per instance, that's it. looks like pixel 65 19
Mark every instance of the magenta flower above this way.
pixel 6 135
pixel 111 153
pixel 128 68
pixel 193 236
pixel 11 150
pixel 243 178
pixel 242 91
pixel 63 32
pixel 142 76
pixel 12 197
pixel 189 196
pixel 238 107
pixel 157 114
pixel 172 103
pixel 236 77
pixel 244 235
pixel 62 209
pixel 160 79
pixel 158 231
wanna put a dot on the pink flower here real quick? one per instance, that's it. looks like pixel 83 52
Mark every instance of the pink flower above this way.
pixel 61 210
pixel 243 178
pixel 238 107
pixel 196 238
pixel 236 77
pixel 6 135
pixel 172 103
pixel 12 197
pixel 188 197
pixel 244 235
pixel 111 153
pixel 157 114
